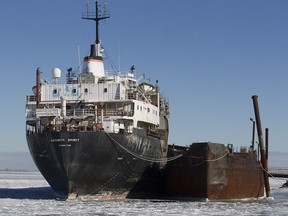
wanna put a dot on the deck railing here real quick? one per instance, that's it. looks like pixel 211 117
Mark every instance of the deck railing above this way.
pixel 30 98
pixel 278 171
pixel 81 113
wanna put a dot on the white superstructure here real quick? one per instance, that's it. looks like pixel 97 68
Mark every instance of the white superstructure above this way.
pixel 113 100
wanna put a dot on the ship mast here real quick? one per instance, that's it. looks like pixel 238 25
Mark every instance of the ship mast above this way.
pixel 94 62
pixel 96 17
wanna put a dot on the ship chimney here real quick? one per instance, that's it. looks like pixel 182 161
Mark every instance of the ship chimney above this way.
pixel 94 63
pixel 92 50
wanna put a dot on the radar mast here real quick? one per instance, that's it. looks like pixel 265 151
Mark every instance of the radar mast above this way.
pixel 94 62
pixel 96 16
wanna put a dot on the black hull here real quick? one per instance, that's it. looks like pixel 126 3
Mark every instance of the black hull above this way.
pixel 96 163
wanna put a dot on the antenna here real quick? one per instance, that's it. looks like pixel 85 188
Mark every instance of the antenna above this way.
pixel 87 6
pixel 105 6
pixel 96 16
pixel 79 61
pixel 119 57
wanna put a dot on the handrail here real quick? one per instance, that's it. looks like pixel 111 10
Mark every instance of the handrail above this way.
pixel 92 112
pixel 278 170
pixel 30 98
pixel 83 113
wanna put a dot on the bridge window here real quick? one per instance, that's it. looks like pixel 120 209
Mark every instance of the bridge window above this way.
pixel 55 91
pixel 105 90
pixel 74 92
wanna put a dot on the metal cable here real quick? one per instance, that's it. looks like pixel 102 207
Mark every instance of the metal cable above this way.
pixel 156 160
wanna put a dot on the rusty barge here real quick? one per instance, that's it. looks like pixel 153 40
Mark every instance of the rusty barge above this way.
pixel 214 171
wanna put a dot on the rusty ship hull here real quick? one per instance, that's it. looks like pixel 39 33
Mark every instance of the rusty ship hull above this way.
pixel 214 172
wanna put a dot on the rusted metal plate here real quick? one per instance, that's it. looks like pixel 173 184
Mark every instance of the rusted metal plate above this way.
pixel 210 170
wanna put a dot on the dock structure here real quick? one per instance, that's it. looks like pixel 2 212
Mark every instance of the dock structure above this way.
pixel 278 172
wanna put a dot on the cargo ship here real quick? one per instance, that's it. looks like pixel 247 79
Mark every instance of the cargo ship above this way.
pixel 98 133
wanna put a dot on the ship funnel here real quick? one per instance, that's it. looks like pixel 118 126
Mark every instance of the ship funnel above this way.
pixel 93 50
pixel 94 63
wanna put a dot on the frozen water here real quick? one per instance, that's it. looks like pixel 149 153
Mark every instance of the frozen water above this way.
pixel 27 193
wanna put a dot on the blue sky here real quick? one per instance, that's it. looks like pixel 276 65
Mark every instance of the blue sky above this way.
pixel 210 57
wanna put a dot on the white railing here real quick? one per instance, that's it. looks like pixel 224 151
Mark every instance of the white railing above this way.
pixel 76 113
pixel 30 98
pixel 97 112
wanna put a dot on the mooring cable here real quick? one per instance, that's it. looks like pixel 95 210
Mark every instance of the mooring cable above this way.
pixel 156 160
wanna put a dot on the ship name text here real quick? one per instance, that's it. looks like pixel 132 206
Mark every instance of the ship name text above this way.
pixel 64 140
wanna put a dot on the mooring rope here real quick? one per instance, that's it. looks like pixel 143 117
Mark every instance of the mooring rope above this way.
pixel 156 160
pixel 212 160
